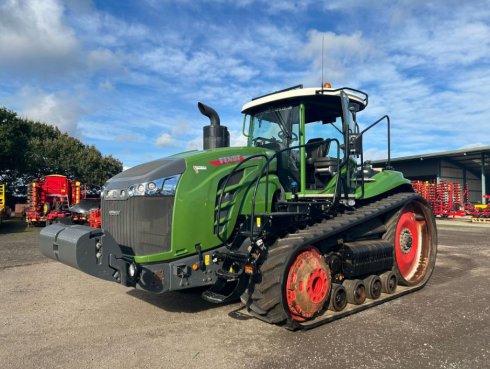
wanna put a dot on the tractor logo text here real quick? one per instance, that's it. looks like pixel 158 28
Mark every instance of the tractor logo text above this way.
pixel 227 160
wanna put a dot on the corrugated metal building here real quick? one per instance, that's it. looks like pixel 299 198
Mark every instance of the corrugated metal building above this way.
pixel 467 167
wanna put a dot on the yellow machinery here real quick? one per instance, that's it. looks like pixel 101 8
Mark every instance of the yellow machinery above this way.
pixel 2 202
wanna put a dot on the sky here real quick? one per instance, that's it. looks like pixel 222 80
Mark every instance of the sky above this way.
pixel 126 76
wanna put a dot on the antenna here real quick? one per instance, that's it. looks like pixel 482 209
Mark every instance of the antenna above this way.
pixel 323 43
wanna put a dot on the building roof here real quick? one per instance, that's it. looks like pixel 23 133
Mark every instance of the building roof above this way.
pixel 469 158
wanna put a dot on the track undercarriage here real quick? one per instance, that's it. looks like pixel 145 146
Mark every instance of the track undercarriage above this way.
pixel 311 276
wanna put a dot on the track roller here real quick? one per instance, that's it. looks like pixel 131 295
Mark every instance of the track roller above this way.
pixel 373 287
pixel 389 281
pixel 356 291
pixel 338 297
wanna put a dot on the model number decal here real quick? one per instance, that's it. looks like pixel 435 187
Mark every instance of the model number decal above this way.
pixel 197 168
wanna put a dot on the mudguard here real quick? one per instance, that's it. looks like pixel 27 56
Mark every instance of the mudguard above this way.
pixel 87 249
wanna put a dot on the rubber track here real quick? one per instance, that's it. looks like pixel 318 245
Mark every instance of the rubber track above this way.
pixel 264 300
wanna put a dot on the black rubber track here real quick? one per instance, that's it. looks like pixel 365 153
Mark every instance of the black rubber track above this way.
pixel 264 298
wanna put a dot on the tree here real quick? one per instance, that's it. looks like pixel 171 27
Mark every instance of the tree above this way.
pixel 14 139
pixel 30 150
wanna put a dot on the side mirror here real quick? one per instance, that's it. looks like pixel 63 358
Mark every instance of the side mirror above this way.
pixel 355 144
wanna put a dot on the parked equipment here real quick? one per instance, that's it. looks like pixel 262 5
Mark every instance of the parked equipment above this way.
pixel 447 199
pixel 4 209
pixel 286 224
pixel 50 199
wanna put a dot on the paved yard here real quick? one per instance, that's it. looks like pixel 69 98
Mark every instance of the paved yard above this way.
pixel 52 316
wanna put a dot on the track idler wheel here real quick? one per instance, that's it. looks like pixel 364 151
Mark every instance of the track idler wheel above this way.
pixel 413 233
pixel 373 287
pixel 388 282
pixel 308 285
pixel 338 298
pixel 356 291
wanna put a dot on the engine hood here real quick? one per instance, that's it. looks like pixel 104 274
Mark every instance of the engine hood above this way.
pixel 177 164
pixel 147 172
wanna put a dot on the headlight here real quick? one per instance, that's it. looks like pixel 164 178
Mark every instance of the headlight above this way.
pixel 158 187
pixel 170 185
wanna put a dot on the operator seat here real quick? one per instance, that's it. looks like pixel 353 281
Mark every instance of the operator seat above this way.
pixel 319 167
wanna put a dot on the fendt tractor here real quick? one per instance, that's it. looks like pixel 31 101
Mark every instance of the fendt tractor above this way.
pixel 295 224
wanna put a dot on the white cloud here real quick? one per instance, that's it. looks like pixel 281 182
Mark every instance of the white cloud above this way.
pixel 237 138
pixel 165 140
pixel 33 33
pixel 58 109
pixel 109 132
pixel 106 85
pixel 341 55
pixel 105 30
pixel 102 59
pixel 195 143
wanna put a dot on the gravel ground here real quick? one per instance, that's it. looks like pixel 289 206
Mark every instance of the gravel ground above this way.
pixel 53 316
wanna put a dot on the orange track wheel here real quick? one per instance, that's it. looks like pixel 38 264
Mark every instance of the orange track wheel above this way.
pixel 308 285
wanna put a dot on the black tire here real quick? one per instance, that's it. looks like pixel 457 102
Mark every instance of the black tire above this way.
pixel 356 291
pixel 338 298
pixel 266 298
pixel 263 297
pixel 373 287
pixel 418 267
pixel 388 282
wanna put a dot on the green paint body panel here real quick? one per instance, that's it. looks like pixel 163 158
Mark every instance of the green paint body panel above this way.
pixel 382 182
pixel 193 219
pixel 379 184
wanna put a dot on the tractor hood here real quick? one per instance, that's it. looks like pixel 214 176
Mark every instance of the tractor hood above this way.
pixel 177 164
pixel 147 172
pixel 219 157
pixel 195 162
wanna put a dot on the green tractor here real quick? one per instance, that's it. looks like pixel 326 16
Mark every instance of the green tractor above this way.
pixel 295 224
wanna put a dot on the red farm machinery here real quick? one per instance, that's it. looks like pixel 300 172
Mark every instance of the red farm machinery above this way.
pixel 51 198
pixel 450 199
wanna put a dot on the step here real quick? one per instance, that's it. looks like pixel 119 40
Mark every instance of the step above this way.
pixel 214 297
pixel 227 275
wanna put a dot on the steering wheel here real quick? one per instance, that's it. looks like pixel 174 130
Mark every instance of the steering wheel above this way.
pixel 282 135
pixel 260 141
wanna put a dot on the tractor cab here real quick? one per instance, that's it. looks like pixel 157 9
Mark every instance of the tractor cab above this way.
pixel 314 134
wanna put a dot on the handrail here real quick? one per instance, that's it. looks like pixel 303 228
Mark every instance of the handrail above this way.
pixel 267 164
pixel 225 184
pixel 388 164
pixel 265 169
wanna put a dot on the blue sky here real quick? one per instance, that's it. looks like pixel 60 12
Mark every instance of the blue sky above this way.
pixel 126 76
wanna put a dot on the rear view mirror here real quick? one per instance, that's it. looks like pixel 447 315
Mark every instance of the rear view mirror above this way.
pixel 355 144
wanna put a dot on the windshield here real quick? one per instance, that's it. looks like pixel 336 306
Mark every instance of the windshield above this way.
pixel 275 128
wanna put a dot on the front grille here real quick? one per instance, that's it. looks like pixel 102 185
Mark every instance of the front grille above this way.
pixel 141 223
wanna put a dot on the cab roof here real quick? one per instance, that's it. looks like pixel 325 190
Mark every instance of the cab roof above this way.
pixel 311 94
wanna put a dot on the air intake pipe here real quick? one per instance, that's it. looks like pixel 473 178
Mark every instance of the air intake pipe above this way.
pixel 214 135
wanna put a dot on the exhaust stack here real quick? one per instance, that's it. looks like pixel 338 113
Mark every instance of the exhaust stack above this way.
pixel 214 135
